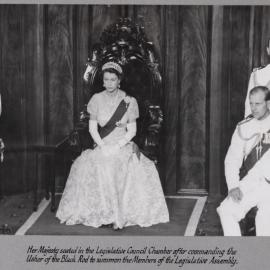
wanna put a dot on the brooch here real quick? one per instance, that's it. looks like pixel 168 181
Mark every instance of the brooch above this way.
pixel 119 124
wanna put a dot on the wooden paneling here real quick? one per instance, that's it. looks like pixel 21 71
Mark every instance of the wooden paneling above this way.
pixel 236 68
pixel 255 33
pixel 150 17
pixel 102 16
pixel 216 157
pixel 44 50
pixel 59 72
pixel 13 119
pixel 192 116
pixel 235 72
pixel 34 83
pixel 34 72
pixel 259 34
pixel 265 34
pixel 82 33
pixel 171 95
pixel 239 62
pixel 13 74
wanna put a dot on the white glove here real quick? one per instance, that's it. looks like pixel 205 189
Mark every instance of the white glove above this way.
pixel 131 132
pixel 94 133
pixel 109 150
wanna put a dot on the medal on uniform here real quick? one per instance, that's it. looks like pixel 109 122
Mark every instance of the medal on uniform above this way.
pixel 266 139
pixel 259 148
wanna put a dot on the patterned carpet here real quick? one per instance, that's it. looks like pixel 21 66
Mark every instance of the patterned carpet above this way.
pixel 209 224
pixel 180 210
pixel 16 209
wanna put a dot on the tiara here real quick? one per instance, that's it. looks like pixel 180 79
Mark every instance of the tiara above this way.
pixel 112 65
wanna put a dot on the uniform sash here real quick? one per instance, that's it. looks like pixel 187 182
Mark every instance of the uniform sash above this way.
pixel 116 117
pixel 255 154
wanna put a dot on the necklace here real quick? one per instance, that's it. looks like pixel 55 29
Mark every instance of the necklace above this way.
pixel 110 100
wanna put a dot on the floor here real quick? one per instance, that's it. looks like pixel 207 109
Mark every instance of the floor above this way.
pixel 16 209
pixel 209 224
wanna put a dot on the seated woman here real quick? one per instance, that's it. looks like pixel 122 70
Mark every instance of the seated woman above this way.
pixel 112 184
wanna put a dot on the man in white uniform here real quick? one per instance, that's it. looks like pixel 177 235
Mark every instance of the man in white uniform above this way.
pixel 248 160
pixel 259 76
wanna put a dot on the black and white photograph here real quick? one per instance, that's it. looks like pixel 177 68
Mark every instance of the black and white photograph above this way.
pixel 135 121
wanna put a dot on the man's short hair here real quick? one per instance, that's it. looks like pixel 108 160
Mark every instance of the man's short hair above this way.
pixel 261 88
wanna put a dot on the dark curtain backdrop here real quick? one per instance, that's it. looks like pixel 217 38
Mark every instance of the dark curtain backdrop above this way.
pixel 206 54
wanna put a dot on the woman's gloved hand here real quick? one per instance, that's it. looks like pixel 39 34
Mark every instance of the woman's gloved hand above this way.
pixel 108 150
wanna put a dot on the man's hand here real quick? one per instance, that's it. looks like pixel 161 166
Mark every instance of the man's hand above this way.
pixel 236 194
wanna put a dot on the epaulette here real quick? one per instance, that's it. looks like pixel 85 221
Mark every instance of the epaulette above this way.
pixel 258 68
pixel 247 119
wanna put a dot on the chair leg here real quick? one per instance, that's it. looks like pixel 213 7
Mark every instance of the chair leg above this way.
pixel 47 194
pixel 52 182
pixel 35 189
pixel 248 223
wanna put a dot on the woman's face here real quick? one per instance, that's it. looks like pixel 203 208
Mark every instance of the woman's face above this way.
pixel 111 81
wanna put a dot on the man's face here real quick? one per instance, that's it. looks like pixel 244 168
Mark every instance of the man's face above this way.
pixel 258 105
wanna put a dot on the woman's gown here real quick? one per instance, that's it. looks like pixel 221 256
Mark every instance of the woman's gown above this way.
pixel 118 189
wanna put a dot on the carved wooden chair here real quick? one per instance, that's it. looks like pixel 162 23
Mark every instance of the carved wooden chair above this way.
pixel 125 43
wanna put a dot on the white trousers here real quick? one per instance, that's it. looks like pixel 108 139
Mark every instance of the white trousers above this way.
pixel 256 192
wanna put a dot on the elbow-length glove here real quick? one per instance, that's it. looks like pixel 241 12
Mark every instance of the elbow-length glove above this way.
pixel 94 133
pixel 131 132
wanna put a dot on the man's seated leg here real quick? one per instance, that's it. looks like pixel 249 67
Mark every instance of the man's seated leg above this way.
pixel 231 212
pixel 262 219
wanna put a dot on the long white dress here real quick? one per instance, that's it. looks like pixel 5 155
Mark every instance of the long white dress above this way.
pixel 118 189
